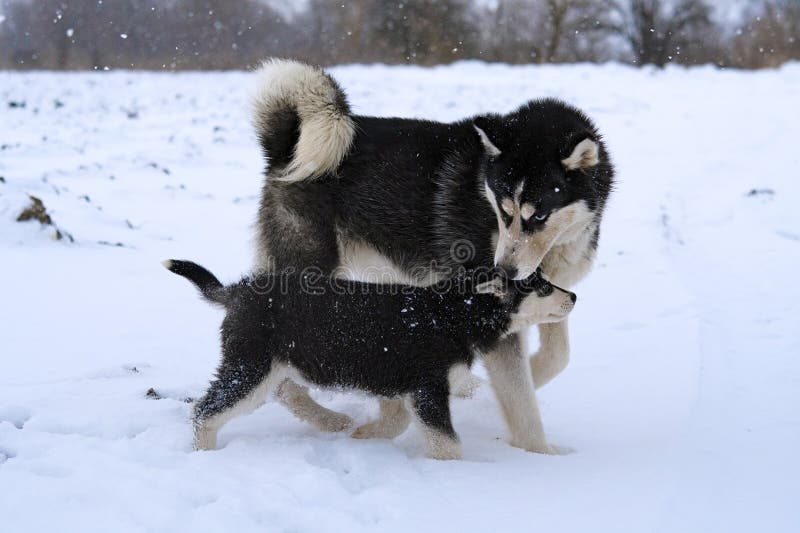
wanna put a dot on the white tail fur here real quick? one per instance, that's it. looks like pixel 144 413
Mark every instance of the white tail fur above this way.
pixel 326 128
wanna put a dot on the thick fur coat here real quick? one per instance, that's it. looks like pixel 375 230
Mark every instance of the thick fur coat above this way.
pixel 391 199
pixel 393 341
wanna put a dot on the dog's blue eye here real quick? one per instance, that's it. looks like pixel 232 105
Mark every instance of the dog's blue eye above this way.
pixel 540 218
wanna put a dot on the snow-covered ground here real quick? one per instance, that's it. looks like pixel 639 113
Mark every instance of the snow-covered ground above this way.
pixel 681 402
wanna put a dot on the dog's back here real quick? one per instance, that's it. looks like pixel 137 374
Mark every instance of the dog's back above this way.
pixel 382 339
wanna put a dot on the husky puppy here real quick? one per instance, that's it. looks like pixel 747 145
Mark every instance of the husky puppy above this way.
pixel 391 199
pixel 393 341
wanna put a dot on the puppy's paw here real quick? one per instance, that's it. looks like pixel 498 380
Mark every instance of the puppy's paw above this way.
pixel 334 422
pixel 205 439
pixel 376 429
pixel 442 447
pixel 451 455
pixel 369 430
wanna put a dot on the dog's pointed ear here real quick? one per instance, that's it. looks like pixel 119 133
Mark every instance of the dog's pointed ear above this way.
pixel 586 154
pixel 494 286
pixel 483 128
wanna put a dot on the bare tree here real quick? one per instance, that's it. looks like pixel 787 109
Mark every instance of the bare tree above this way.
pixel 20 48
pixel 222 34
pixel 548 31
pixel 577 30
pixel 769 37
pixel 141 33
pixel 660 31
pixel 422 31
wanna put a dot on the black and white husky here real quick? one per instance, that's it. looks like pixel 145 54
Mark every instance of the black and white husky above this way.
pixel 409 344
pixel 387 199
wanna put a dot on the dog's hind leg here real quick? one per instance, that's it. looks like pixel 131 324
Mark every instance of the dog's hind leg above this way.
pixel 243 379
pixel 296 398
pixel 553 354
pixel 295 231
pixel 222 403
pixel 510 377
pixel 392 421
pixel 431 408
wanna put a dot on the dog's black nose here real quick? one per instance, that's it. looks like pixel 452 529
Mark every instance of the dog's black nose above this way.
pixel 508 271
pixel 573 297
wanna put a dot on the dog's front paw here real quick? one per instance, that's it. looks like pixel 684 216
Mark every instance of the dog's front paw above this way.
pixel 535 447
pixel 334 422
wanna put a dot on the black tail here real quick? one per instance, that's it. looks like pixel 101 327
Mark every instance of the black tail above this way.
pixel 209 285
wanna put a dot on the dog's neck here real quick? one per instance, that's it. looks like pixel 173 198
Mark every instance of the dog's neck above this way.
pixel 485 318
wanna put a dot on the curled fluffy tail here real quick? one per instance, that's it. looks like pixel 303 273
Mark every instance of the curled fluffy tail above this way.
pixel 302 119
pixel 209 285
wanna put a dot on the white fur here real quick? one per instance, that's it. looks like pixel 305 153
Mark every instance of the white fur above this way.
pixel 553 355
pixel 508 206
pixel 571 256
pixel 326 134
pixel 393 420
pixel 511 381
pixel 505 235
pixel 205 431
pixel 461 381
pixel 488 145
pixel 527 211
pixel 359 261
pixel 438 445
pixel 567 262
pixel 525 251
pixel 295 398
pixel 585 155
pixel 493 286
pixel 541 310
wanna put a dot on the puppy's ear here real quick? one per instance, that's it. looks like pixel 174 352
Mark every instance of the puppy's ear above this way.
pixel 483 127
pixel 586 154
pixel 494 286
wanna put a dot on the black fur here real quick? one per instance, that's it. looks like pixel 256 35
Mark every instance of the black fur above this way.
pixel 209 285
pixel 284 127
pixel 415 191
pixel 387 340
pixel 534 139
pixel 412 188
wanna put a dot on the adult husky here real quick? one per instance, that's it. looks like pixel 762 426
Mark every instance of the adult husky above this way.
pixel 408 200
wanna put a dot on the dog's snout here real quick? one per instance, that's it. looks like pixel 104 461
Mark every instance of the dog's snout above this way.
pixel 573 297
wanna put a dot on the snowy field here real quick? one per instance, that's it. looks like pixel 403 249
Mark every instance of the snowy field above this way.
pixel 681 403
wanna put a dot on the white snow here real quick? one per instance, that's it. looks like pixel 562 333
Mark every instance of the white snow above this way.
pixel 680 402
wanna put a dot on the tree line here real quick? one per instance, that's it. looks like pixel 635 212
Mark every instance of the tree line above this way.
pixel 235 34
